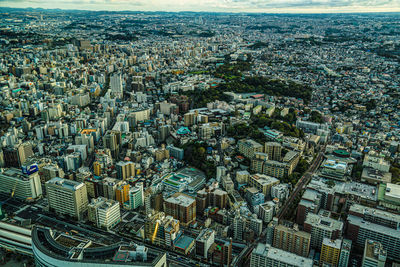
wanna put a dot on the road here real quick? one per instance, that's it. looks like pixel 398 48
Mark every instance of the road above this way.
pixel 304 180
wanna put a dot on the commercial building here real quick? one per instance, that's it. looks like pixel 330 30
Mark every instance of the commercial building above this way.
pixel 67 197
pixel 181 207
pixel 330 252
pixel 345 253
pixel 334 169
pixel 263 183
pixel 321 226
pixel 389 196
pixel 248 147
pixel 291 239
pixel 266 211
pixel 374 254
pixel 125 169
pixel 22 185
pixel 53 249
pixel 161 230
pixel 213 197
pixel 105 213
pixel 273 150
pixel 204 241
pixel 367 223
pixel 136 196
pixel 377 162
pixel 374 176
pixel 266 256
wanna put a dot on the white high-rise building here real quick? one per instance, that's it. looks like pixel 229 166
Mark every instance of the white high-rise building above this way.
pixel 105 213
pixel 116 85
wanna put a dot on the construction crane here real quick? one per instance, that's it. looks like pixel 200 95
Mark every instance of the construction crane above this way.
pixel 155 232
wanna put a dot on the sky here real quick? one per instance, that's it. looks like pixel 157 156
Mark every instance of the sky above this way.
pixel 264 6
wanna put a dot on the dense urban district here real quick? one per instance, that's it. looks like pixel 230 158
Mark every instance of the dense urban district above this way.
pixel 199 139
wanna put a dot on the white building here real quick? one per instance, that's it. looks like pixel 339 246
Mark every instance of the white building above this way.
pixel 105 213
pixel 136 196
pixel 24 185
pixel 266 256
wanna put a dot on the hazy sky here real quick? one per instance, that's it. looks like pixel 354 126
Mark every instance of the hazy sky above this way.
pixel 292 6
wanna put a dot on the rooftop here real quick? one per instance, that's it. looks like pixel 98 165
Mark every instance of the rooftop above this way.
pixel 279 255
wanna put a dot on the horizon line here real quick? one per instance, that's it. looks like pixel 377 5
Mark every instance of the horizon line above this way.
pixel 222 12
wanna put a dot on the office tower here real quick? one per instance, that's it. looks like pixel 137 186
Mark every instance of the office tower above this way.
pixel 292 240
pixel 125 169
pixel 266 256
pixel 105 213
pixel 13 182
pixel 181 207
pixel 320 226
pixel 67 197
pixel 374 254
pixel 136 196
pixel 330 251
pixel 345 253
pixel 204 241
pixel 249 147
pixel 369 223
pixel 116 85
pixel 160 229
pixel 273 150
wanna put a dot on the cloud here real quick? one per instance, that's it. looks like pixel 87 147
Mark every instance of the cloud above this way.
pixel 214 5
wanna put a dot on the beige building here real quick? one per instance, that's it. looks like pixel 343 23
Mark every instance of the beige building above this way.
pixel 263 183
pixel 67 197
pixel 249 147
pixel 292 240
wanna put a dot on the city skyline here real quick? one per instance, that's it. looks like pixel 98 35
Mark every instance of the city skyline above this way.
pixel 236 6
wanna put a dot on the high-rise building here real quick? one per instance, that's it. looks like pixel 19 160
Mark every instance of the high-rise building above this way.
pixel 263 183
pixel 181 207
pixel 292 240
pixel 211 197
pixel 116 85
pixel 189 119
pixel 15 156
pixel 378 225
pixel 122 193
pixel 273 150
pixel 266 256
pixel 112 140
pixel 21 185
pixel 67 197
pixel 345 253
pixel 125 169
pixel 105 213
pixel 320 226
pixel 330 252
pixel 136 196
pixel 204 241
pixel 374 254
pixel 161 230
pixel 249 147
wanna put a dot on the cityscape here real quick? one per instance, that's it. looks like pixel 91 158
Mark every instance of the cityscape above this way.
pixel 138 138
